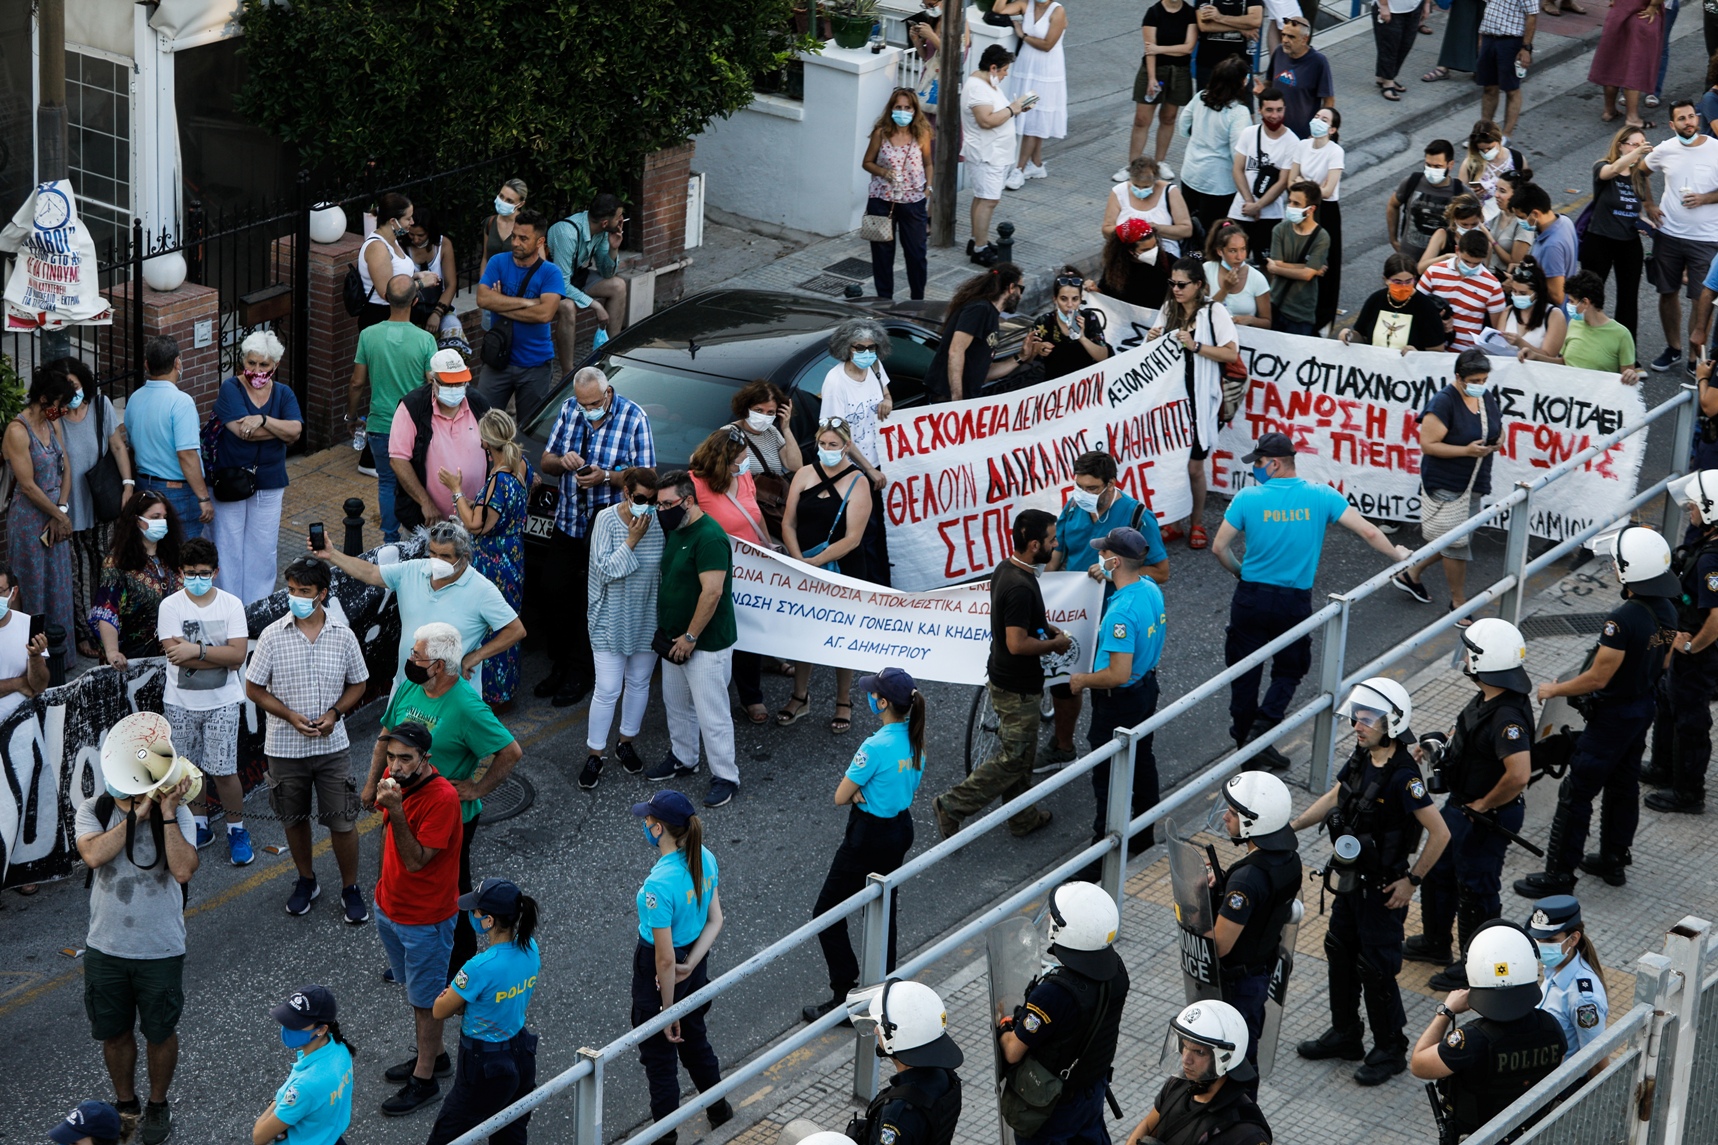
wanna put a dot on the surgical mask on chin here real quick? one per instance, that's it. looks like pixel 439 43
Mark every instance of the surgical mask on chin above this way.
pixel 296 1039
pixel 1436 175
pixel 503 207
pixel 302 606
pixel 865 359
pixel 1107 571
pixel 1148 257
pixel 1295 214
pixel 1521 301
pixel 829 458
pixel 901 116
pixel 1688 140
pixel 449 396
pixel 199 585
pixel 154 528
pixel 1318 129
pixel 440 569
pixel 1473 391
pixel 1088 502
pixel 758 422
pixel 417 673
pixel 1551 955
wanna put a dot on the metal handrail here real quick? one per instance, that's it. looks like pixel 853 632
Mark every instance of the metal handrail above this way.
pixel 587 1073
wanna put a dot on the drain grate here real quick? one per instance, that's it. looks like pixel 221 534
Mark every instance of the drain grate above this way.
pixel 1569 624
pixel 827 284
pixel 511 797
pixel 851 268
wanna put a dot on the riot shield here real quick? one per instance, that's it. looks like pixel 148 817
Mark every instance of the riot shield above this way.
pixel 1190 875
pixel 1276 996
pixel 1015 956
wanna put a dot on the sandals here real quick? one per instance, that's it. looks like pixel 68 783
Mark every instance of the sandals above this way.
pixel 1438 73
pixel 757 713
pixel 1464 622
pixel 1197 538
pixel 1393 94
pixel 787 717
pixel 1171 534
pixel 1425 29
pixel 1650 100
pixel 841 724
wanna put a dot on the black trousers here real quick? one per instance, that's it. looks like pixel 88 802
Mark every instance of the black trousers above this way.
pixel 1258 614
pixel 490 1076
pixel 464 938
pixel 1606 761
pixel 1464 888
pixel 1208 208
pixel 1682 734
pixel 748 676
pixel 1602 255
pixel 570 633
pixel 1393 42
pixel 1364 950
pixel 911 222
pixel 1114 708
pixel 871 846
pixel 656 1053
pixel 1330 218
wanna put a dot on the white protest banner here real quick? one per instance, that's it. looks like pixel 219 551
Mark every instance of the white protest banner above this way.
pixel 1353 413
pixel 53 282
pixel 783 607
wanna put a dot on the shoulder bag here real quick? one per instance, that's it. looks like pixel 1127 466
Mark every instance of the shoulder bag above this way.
pixel 233 482
pixel 771 489
pixel 1267 171
pixel 1031 1090
pixel 840 515
pixel 759 533
pixel 106 487
pixel 497 347
pixel 878 228
pixel 1234 377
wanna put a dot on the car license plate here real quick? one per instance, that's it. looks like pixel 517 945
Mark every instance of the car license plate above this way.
pixel 542 527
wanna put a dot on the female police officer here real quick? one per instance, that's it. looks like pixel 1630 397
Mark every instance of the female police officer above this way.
pixel 497 1054
pixel 679 917
pixel 314 1106
pixel 879 786
pixel 1574 980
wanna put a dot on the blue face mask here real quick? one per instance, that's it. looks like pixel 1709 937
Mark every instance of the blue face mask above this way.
pixel 901 116
pixel 115 792
pixel 594 415
pixel 503 207
pixel 1318 129
pixel 5 607
pixel 1108 571
pixel 649 839
pixel 1688 140
pixel 199 585
pixel 865 359
pixel 1465 270
pixel 643 510
pixel 1551 955
pixel 1261 474
pixel 154 528
pixel 1473 391
pixel 477 921
pixel 296 1039
pixel 1139 192
pixel 1528 225
pixel 1521 301
pixel 876 708
pixel 829 458
pixel 302 606
pixel 77 400
pixel 745 465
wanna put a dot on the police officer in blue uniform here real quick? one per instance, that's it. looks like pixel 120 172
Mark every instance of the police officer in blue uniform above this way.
pixel 1574 980
pixel 679 917
pixel 1618 693
pixel 1484 768
pixel 1682 734
pixel 497 1054
pixel 1283 519
pixel 1123 679
pixel 314 1105
pixel 1381 803
pixel 921 1103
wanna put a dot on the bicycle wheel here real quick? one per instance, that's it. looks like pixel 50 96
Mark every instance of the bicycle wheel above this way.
pixel 981 728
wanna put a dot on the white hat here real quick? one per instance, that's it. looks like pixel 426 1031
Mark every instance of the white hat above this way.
pixel 448 366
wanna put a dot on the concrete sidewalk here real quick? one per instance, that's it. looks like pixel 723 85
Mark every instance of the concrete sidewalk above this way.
pixel 1305 1101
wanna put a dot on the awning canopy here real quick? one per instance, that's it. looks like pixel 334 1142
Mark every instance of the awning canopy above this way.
pixel 190 23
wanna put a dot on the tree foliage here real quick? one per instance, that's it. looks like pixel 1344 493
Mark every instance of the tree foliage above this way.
pixel 585 89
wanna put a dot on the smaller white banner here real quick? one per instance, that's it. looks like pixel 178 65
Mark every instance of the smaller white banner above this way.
pixel 54 282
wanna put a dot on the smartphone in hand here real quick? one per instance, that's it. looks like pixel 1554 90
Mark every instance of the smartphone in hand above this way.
pixel 583 471
pixel 318 537
pixel 38 624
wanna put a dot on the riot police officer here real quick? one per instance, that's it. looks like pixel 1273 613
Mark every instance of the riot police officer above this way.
pixel 921 1103
pixel 1071 1018
pixel 1682 735
pixel 1484 768
pixel 1618 691
pixel 1258 894
pixel 1484 1066
pixel 1380 806
pixel 1198 1104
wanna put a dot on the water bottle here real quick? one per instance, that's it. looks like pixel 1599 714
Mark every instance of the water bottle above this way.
pixel 359 437
pixel 1520 70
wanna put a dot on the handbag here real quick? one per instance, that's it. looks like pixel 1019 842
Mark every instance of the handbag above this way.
pixel 840 512
pixel 771 491
pixel 234 483
pixel 1234 379
pixel 106 486
pixel 497 346
pixel 759 533
pixel 1439 517
pixel 878 228
pixel 1031 1090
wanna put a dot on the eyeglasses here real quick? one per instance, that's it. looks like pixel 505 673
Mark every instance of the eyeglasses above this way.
pixel 832 423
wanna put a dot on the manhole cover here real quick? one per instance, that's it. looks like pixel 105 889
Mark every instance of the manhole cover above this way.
pixel 826 284
pixel 510 798
pixel 1570 624
pixel 851 268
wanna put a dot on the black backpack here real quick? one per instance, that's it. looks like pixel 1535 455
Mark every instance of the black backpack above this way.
pixel 352 291
pixel 417 405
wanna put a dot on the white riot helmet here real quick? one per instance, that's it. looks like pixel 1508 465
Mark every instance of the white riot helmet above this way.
pixel 1380 697
pixel 1701 491
pixel 1496 654
pixel 1502 971
pixel 1083 922
pixel 826 1137
pixel 1641 559
pixel 911 1025
pixel 1262 803
pixel 1218 1027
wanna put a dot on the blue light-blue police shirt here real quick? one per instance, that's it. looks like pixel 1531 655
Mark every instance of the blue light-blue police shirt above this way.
pixel 666 899
pixel 1135 622
pixel 1575 996
pixel 316 1101
pixel 883 769
pixel 497 986
pixel 160 421
pixel 1284 521
pixel 1076 528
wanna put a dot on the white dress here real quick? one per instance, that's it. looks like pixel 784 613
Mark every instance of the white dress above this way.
pixel 1044 73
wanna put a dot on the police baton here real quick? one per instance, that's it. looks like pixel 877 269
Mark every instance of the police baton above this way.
pixel 1110 1096
pixel 1485 821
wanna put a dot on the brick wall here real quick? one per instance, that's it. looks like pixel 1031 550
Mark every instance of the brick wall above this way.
pixel 174 313
pixel 662 213
pixel 333 337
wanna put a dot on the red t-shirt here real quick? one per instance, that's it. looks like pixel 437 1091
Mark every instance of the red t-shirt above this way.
pixel 429 896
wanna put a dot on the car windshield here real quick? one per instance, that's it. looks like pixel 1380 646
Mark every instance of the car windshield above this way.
pixel 683 408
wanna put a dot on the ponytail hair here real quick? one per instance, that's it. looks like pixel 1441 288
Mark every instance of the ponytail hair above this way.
pixel 1587 952
pixel 916 729
pixel 335 1034
pixel 522 925
pixel 690 839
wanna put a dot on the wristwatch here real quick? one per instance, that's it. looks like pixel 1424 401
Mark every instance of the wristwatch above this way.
pixel 1444 1011
pixel 691 637
pixel 1413 879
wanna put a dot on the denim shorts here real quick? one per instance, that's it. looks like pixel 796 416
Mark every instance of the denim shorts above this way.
pixel 418 956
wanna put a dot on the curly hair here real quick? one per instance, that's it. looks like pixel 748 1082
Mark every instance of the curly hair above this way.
pixel 713 461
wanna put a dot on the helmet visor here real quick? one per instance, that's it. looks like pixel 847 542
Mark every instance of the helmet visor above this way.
pixel 1189 1057
pixel 1365 717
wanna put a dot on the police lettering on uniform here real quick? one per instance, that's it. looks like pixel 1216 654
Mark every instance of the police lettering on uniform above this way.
pixel 679 917
pixel 1484 767
pixel 1574 981
pixel 1205 1101
pixel 1068 1025
pixel 1283 519
pixel 1618 693
pixel 1379 805
pixel 921 1103
pixel 1682 733
pixel 1123 679
pixel 314 1105
pixel 1483 1066
pixel 497 1054
pixel 1257 897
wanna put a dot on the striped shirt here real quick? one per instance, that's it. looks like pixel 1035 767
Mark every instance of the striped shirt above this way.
pixel 622 440
pixel 307 678
pixel 621 600
pixel 1474 298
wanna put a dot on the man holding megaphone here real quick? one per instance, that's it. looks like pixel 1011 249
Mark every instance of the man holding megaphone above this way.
pixel 139 841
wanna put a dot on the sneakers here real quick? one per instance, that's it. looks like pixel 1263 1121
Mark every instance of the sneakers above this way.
pixel 592 773
pixel 1120 176
pixel 1671 801
pixel 1037 171
pixel 1541 884
pixel 1380 1067
pixel 1388 528
pixel 403 1071
pixel 1333 1043
pixel 157 1122
pixel 1053 759
pixel 1165 171
pixel 1016 179
pixel 239 850
pixel 388 976
pixel 1043 821
pixel 353 900
pixel 947 824
pixel 1416 948
pixel 1668 358
pixel 413 1095
pixel 720 1114
pixel 669 768
pixel 629 760
pixel 304 892
pixel 721 793
pixel 1411 586
pixel 204 836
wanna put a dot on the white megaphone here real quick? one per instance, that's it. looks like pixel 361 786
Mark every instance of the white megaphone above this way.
pixel 138 757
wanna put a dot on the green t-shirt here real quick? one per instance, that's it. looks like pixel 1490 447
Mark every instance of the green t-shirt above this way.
pixel 462 730
pixel 1609 347
pixel 1295 300
pixel 396 354
pixel 688 551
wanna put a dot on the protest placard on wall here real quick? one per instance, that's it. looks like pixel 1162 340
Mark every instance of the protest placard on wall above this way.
pixel 54 281
pixel 786 608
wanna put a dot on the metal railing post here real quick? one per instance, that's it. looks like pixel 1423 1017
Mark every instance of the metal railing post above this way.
pixel 1652 985
pixel 1118 812
pixel 587 1101
pixel 1681 446
pixel 1515 555
pixel 1685 946
pixel 1329 680
pixel 873 965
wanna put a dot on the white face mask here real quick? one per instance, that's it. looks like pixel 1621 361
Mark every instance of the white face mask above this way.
pixel 1488 156
pixel 1148 257
pixel 759 421
pixel 449 396
pixel 1295 214
pixel 1087 502
pixel 440 569
pixel 1436 174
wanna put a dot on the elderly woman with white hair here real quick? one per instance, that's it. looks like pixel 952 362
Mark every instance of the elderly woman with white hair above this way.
pixel 259 419
pixel 856 395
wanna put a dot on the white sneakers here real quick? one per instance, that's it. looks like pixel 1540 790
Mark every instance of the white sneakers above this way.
pixel 1037 171
pixel 1016 179
pixel 1164 171
pixel 1119 176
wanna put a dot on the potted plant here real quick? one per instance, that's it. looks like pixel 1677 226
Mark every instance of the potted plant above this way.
pixel 851 21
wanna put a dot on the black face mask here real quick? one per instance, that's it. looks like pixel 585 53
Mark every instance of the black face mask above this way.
pixel 411 781
pixel 671 518
pixel 417 673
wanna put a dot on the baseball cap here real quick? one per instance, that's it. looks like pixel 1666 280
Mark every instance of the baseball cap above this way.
pixel 1132 231
pixel 892 684
pixel 1271 445
pixel 305 1007
pixel 669 807
pixel 412 734
pixel 492 896
pixel 1126 542
pixel 448 366
pixel 90 1119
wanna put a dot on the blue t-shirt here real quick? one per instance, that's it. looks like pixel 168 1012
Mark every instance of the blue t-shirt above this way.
pixel 1075 528
pixel 497 985
pixel 667 899
pixel 1284 521
pixel 1461 427
pixel 532 345
pixel 267 455
pixel 883 769
pixel 1556 249
pixel 1135 622
pixel 316 1100
pixel 1708 111
pixel 161 422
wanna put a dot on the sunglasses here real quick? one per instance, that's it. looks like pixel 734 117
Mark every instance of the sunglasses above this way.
pixel 862 347
pixel 832 423
pixel 643 498
pixel 1071 280
pixel 734 434
pixel 1180 284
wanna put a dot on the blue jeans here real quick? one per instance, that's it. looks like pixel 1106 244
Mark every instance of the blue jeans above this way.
pixel 1668 22
pixel 386 487
pixel 183 500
